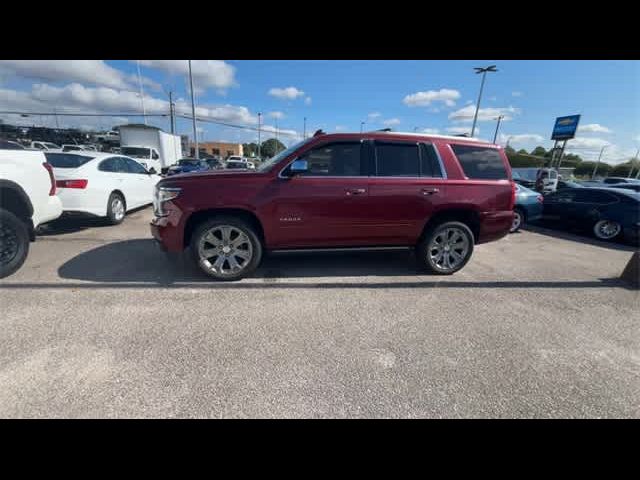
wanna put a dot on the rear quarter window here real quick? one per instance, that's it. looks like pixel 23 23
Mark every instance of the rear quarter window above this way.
pixel 480 163
pixel 62 160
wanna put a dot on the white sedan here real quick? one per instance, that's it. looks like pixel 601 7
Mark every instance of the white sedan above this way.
pixel 101 184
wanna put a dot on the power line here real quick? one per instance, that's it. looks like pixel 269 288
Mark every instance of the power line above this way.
pixel 85 114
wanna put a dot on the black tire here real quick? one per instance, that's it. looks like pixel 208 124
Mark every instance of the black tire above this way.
pixel 607 230
pixel 14 243
pixel 427 247
pixel 114 216
pixel 252 247
pixel 523 217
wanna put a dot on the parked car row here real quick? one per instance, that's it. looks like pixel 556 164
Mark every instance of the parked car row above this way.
pixel 37 187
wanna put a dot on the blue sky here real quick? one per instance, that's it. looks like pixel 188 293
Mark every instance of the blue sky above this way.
pixel 432 96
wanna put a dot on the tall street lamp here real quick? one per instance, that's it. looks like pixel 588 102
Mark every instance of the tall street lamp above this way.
pixel 483 71
pixel 193 112
pixel 595 169
pixel 361 125
pixel 495 135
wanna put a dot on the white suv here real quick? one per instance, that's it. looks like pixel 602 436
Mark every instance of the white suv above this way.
pixel 27 200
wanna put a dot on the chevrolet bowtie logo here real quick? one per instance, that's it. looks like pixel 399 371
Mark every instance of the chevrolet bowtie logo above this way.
pixel 566 121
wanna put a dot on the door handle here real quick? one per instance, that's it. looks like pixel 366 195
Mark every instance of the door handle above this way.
pixel 356 191
pixel 430 191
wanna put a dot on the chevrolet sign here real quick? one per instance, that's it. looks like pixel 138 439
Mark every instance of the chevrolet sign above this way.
pixel 565 127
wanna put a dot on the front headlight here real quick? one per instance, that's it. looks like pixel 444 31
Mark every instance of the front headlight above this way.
pixel 161 196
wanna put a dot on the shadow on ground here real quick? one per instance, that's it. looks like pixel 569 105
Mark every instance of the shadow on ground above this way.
pixel 576 234
pixel 140 264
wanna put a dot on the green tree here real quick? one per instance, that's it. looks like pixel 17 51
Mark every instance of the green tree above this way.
pixel 523 151
pixel 250 149
pixel 271 147
pixel 539 151
pixel 509 150
pixel 621 170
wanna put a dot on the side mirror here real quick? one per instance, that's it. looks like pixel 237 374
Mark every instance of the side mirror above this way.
pixel 298 167
pixel 152 171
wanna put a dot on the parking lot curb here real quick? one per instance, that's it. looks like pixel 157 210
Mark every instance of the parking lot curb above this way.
pixel 631 273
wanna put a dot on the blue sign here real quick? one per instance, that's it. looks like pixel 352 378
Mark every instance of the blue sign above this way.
pixel 565 127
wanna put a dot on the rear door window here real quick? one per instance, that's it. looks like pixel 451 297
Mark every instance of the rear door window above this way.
pixel 480 163
pixel 397 160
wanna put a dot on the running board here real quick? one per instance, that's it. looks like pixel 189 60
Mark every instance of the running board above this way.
pixel 340 249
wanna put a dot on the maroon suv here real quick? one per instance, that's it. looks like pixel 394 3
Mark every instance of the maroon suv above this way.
pixel 440 195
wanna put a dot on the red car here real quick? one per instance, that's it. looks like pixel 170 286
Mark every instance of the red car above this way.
pixel 440 195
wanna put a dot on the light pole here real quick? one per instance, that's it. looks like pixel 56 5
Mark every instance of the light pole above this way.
pixel 632 164
pixel 483 71
pixel 361 126
pixel 508 140
pixel 193 112
pixel 304 135
pixel 495 135
pixel 144 112
pixel 595 169
pixel 259 119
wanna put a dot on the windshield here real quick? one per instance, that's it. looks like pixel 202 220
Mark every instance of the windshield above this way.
pixel 268 164
pixel 188 163
pixel 525 174
pixel 66 160
pixel 51 145
pixel 136 152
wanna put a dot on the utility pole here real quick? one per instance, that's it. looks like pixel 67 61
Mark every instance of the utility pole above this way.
pixel 595 169
pixel 304 135
pixel 193 112
pixel 259 146
pixel 632 164
pixel 171 113
pixel 361 125
pixel 495 135
pixel 144 112
pixel 483 71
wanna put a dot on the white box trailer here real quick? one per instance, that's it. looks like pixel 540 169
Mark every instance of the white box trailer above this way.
pixel 150 146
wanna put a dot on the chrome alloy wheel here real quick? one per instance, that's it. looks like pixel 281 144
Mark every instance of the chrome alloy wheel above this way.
pixel 225 250
pixel 448 249
pixel 517 221
pixel 606 229
pixel 117 207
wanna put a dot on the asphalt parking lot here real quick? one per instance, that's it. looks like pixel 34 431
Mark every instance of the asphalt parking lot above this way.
pixel 99 323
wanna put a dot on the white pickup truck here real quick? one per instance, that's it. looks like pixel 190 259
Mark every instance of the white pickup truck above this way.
pixel 27 200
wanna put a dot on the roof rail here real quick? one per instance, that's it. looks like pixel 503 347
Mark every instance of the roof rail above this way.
pixel 384 130
pixel 318 132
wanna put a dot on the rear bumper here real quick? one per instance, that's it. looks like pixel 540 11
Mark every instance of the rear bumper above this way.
pixel 48 211
pixel 494 225
pixel 533 211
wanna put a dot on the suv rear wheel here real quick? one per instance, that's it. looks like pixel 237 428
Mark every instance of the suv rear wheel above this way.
pixel 226 248
pixel 14 243
pixel 446 248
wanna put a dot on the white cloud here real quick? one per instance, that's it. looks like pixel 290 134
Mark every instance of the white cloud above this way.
pixel 215 74
pixel 430 130
pixel 424 99
pixel 468 102
pixel 276 114
pixel 289 93
pixel 307 101
pixel 392 121
pixel 460 130
pixel 520 138
pixel 339 128
pixel 373 116
pixel 466 114
pixel 516 94
pixel 593 128
pixel 93 72
pixel 78 98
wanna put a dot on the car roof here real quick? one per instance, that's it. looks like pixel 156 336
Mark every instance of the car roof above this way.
pixel 623 191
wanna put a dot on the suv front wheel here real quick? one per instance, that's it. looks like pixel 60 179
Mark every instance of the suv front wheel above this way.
pixel 14 243
pixel 446 248
pixel 226 248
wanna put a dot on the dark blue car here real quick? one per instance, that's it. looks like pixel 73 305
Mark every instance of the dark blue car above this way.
pixel 609 213
pixel 528 207
pixel 188 165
